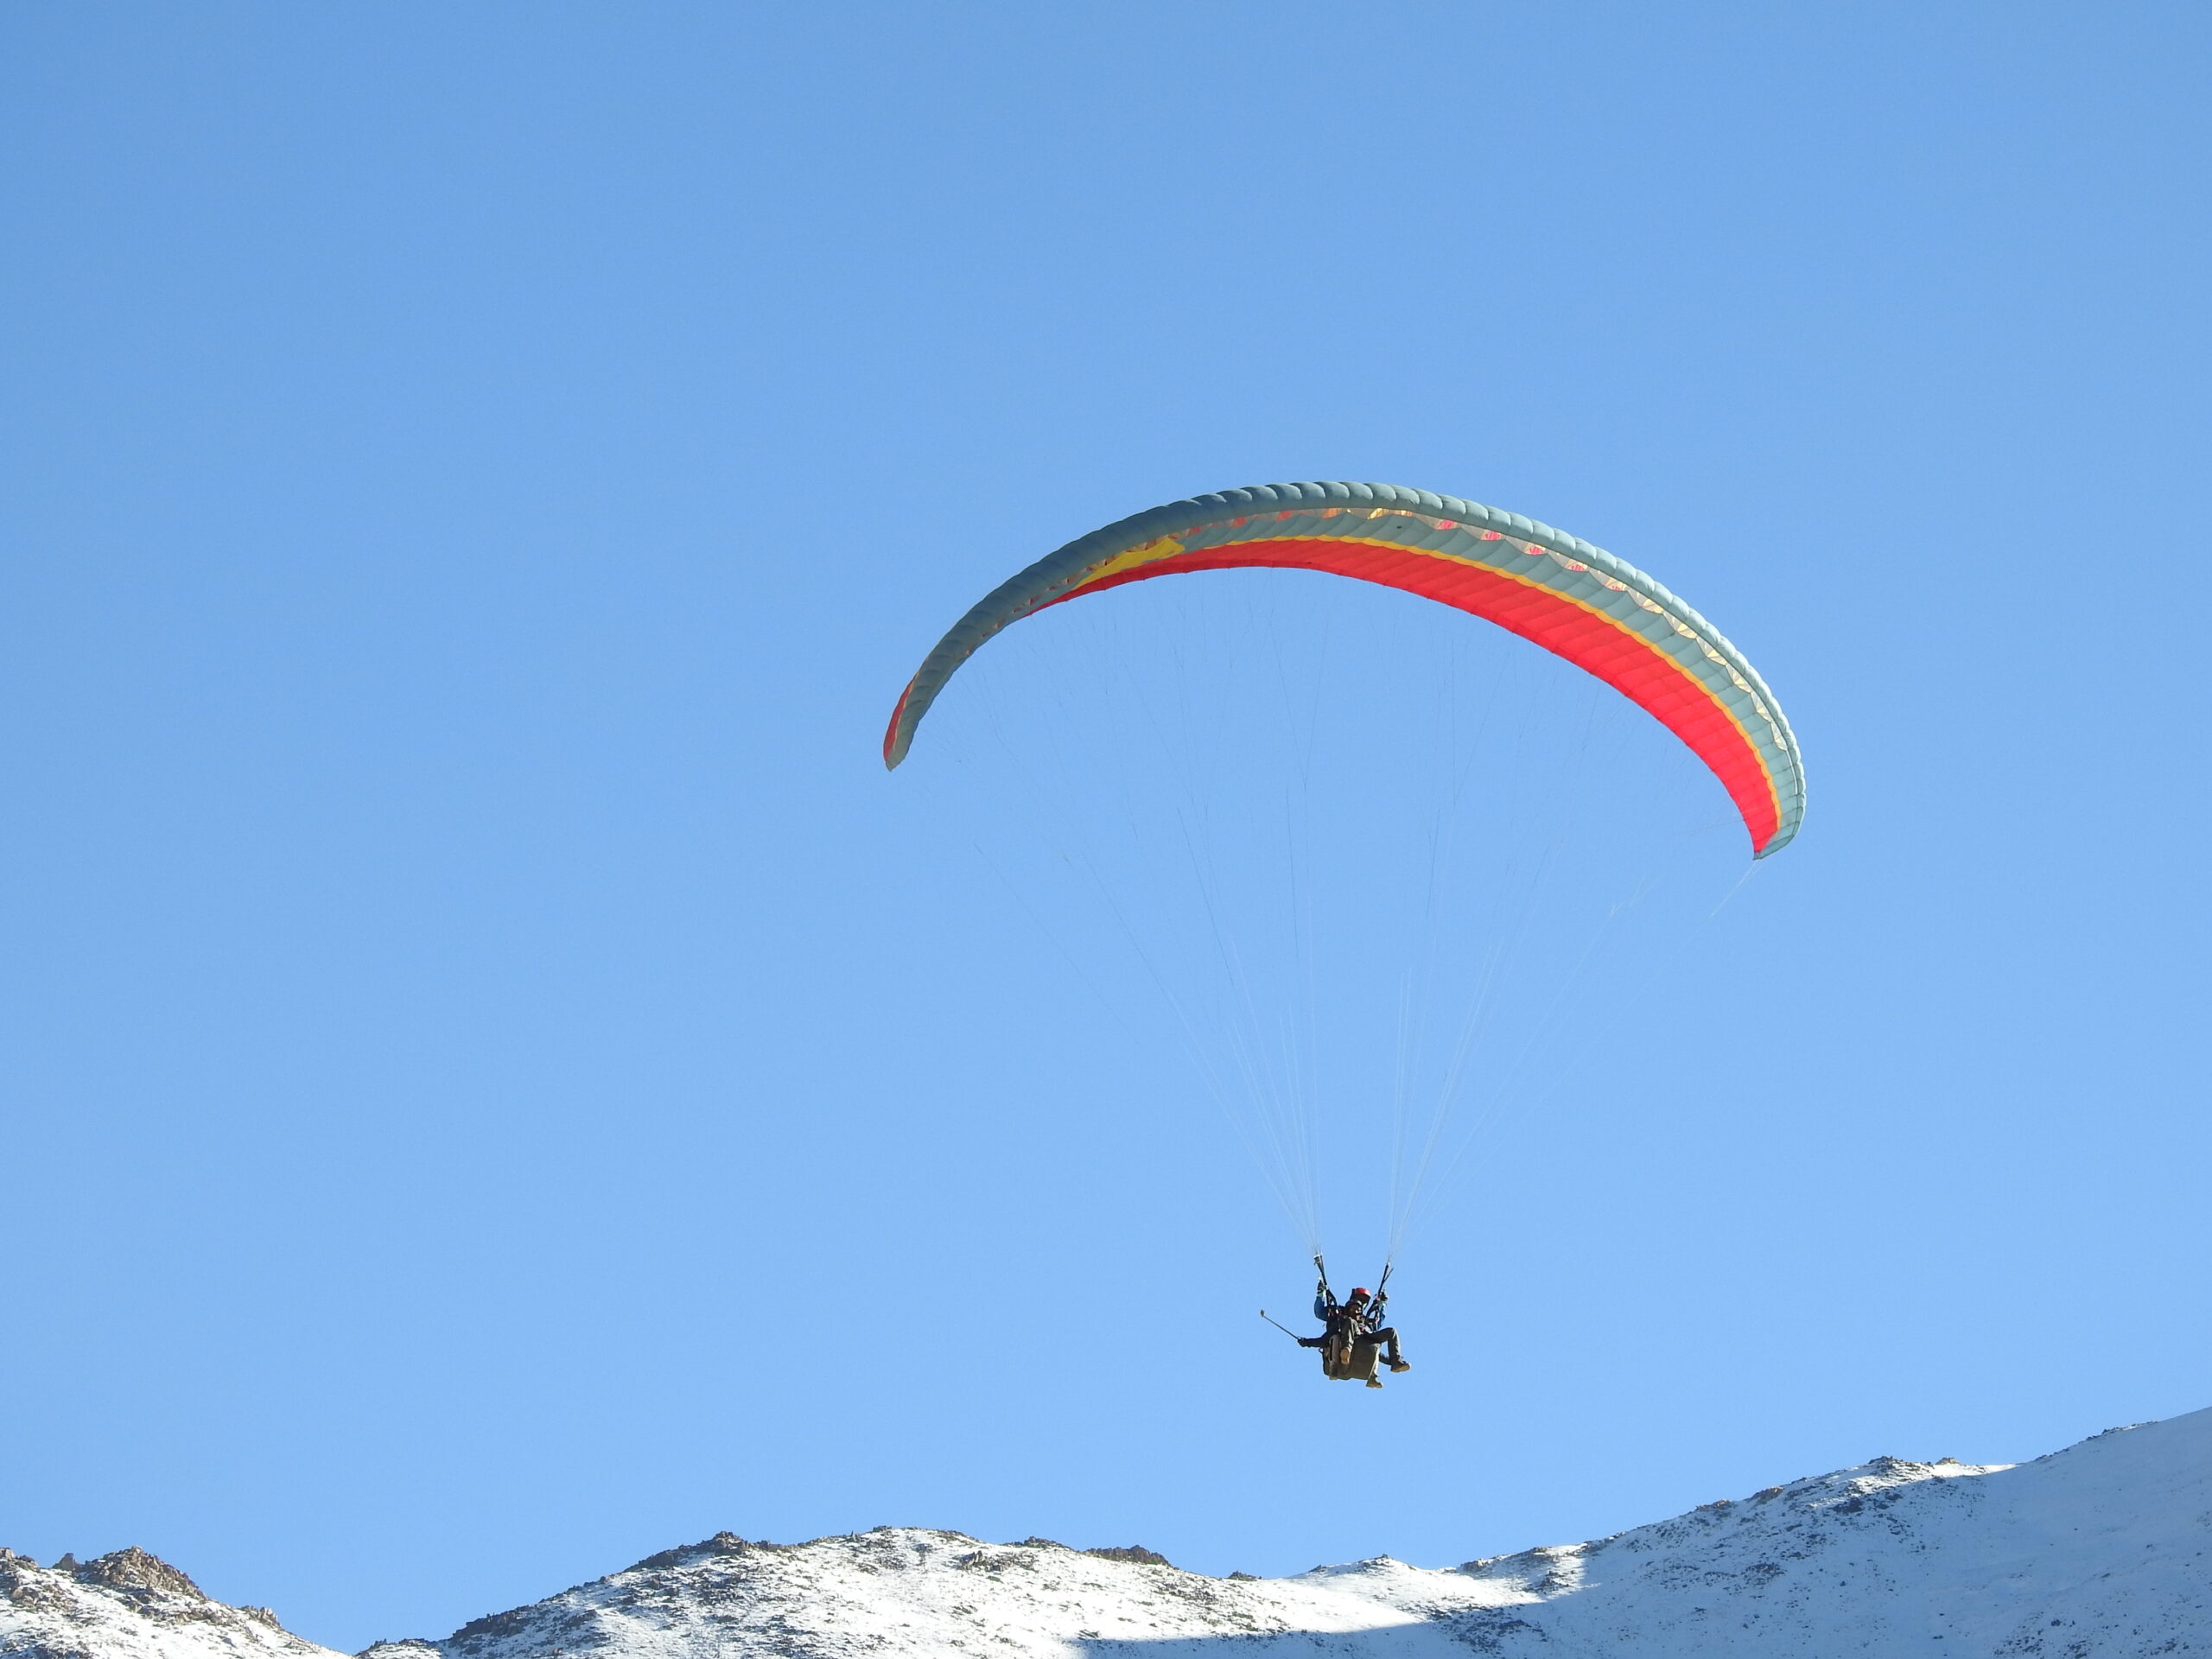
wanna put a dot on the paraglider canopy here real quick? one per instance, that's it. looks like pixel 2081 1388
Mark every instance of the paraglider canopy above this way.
pixel 1576 600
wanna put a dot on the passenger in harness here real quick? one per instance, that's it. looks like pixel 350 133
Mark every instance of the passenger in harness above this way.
pixel 1355 1332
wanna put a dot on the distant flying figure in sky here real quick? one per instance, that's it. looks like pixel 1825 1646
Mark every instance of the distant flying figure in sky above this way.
pixel 1354 1336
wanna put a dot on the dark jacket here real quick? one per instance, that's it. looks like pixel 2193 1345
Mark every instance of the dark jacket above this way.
pixel 1336 1316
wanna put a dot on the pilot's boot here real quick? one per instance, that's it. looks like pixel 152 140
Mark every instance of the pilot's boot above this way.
pixel 1374 1382
pixel 1400 1365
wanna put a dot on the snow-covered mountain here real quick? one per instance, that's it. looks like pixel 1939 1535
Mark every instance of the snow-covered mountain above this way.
pixel 129 1605
pixel 2099 1550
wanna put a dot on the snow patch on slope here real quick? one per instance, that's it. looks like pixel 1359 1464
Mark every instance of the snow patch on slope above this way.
pixel 2105 1548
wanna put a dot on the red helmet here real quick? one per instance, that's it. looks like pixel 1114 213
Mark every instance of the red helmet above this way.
pixel 1360 1291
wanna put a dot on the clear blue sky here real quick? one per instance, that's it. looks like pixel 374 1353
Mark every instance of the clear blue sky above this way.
pixel 492 1085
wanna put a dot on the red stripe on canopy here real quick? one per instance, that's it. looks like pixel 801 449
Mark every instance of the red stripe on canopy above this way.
pixel 1632 664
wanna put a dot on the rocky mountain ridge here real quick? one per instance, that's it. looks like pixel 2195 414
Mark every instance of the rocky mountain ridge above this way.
pixel 2102 1549
pixel 129 1604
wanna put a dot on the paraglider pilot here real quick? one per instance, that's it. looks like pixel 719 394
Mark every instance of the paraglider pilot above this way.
pixel 1355 1331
